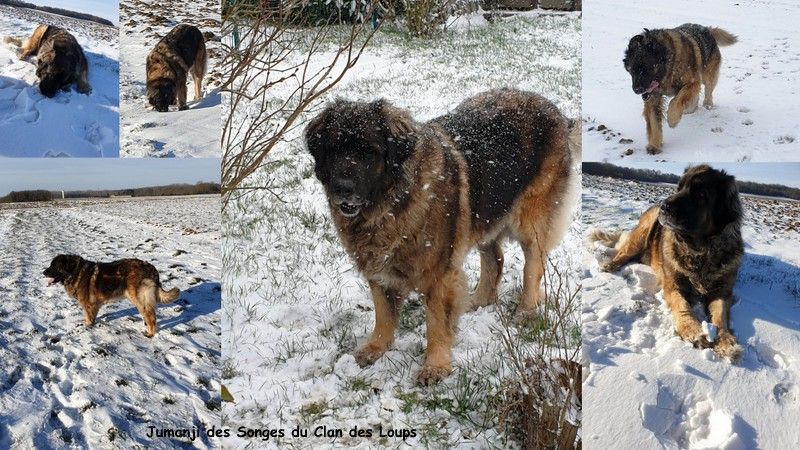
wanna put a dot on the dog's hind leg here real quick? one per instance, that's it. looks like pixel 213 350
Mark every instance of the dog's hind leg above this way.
pixel 388 303
pixel 181 93
pixel 145 299
pixel 198 85
pixel 710 78
pixel 491 270
pixel 198 70
pixel 83 82
pixel 31 45
pixel 633 245
pixel 532 273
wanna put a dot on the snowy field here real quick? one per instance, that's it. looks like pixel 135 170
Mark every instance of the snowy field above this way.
pixel 646 388
pixel 295 308
pixel 65 386
pixel 70 124
pixel 756 99
pixel 145 132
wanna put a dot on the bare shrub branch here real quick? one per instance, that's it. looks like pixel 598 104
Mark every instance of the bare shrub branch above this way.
pixel 284 62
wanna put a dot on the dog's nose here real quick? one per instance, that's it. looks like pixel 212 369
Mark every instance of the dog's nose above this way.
pixel 343 187
pixel 666 207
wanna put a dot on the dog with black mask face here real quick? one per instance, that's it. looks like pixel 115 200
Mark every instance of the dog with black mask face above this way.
pixel 409 199
pixel 93 284
pixel 674 62
pixel 693 242
pixel 60 61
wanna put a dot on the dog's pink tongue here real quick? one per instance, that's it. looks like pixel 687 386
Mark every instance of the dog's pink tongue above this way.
pixel 50 281
pixel 653 86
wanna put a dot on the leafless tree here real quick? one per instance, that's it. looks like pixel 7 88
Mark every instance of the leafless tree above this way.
pixel 273 46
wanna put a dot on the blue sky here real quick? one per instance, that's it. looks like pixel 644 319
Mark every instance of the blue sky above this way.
pixel 787 174
pixel 89 173
pixel 107 9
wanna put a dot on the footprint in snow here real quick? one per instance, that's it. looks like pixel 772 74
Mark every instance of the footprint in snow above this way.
pixel 786 393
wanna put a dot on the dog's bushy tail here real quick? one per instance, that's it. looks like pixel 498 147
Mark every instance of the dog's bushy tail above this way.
pixel 13 40
pixel 168 296
pixel 722 37
pixel 607 238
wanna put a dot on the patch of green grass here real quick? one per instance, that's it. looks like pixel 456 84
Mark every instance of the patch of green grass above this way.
pixel 534 329
pixel 413 314
pixel 311 412
pixel 228 370
pixel 310 219
pixel 287 349
pixel 358 384
pixel 410 401
pixel 340 331
pixel 575 335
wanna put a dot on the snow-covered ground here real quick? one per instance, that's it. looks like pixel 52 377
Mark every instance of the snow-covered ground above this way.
pixel 70 124
pixel 757 99
pixel 295 309
pixel 646 388
pixel 65 386
pixel 145 132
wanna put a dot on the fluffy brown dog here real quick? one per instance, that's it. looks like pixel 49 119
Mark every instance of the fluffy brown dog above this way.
pixel 674 62
pixel 180 52
pixel 59 58
pixel 410 199
pixel 694 244
pixel 93 284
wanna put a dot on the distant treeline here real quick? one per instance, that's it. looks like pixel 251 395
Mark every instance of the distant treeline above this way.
pixel 59 11
pixel 27 196
pixel 654 176
pixel 152 191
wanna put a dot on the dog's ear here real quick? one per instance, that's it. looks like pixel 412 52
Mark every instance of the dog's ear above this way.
pixel 401 133
pixel 315 130
pixel 728 208
pixel 64 265
pixel 71 263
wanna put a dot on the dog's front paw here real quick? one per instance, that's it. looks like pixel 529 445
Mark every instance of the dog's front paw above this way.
pixel 691 331
pixel 430 374
pixel 726 346
pixel 476 301
pixel 652 149
pixel 523 316
pixel 368 354
pixel 610 266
